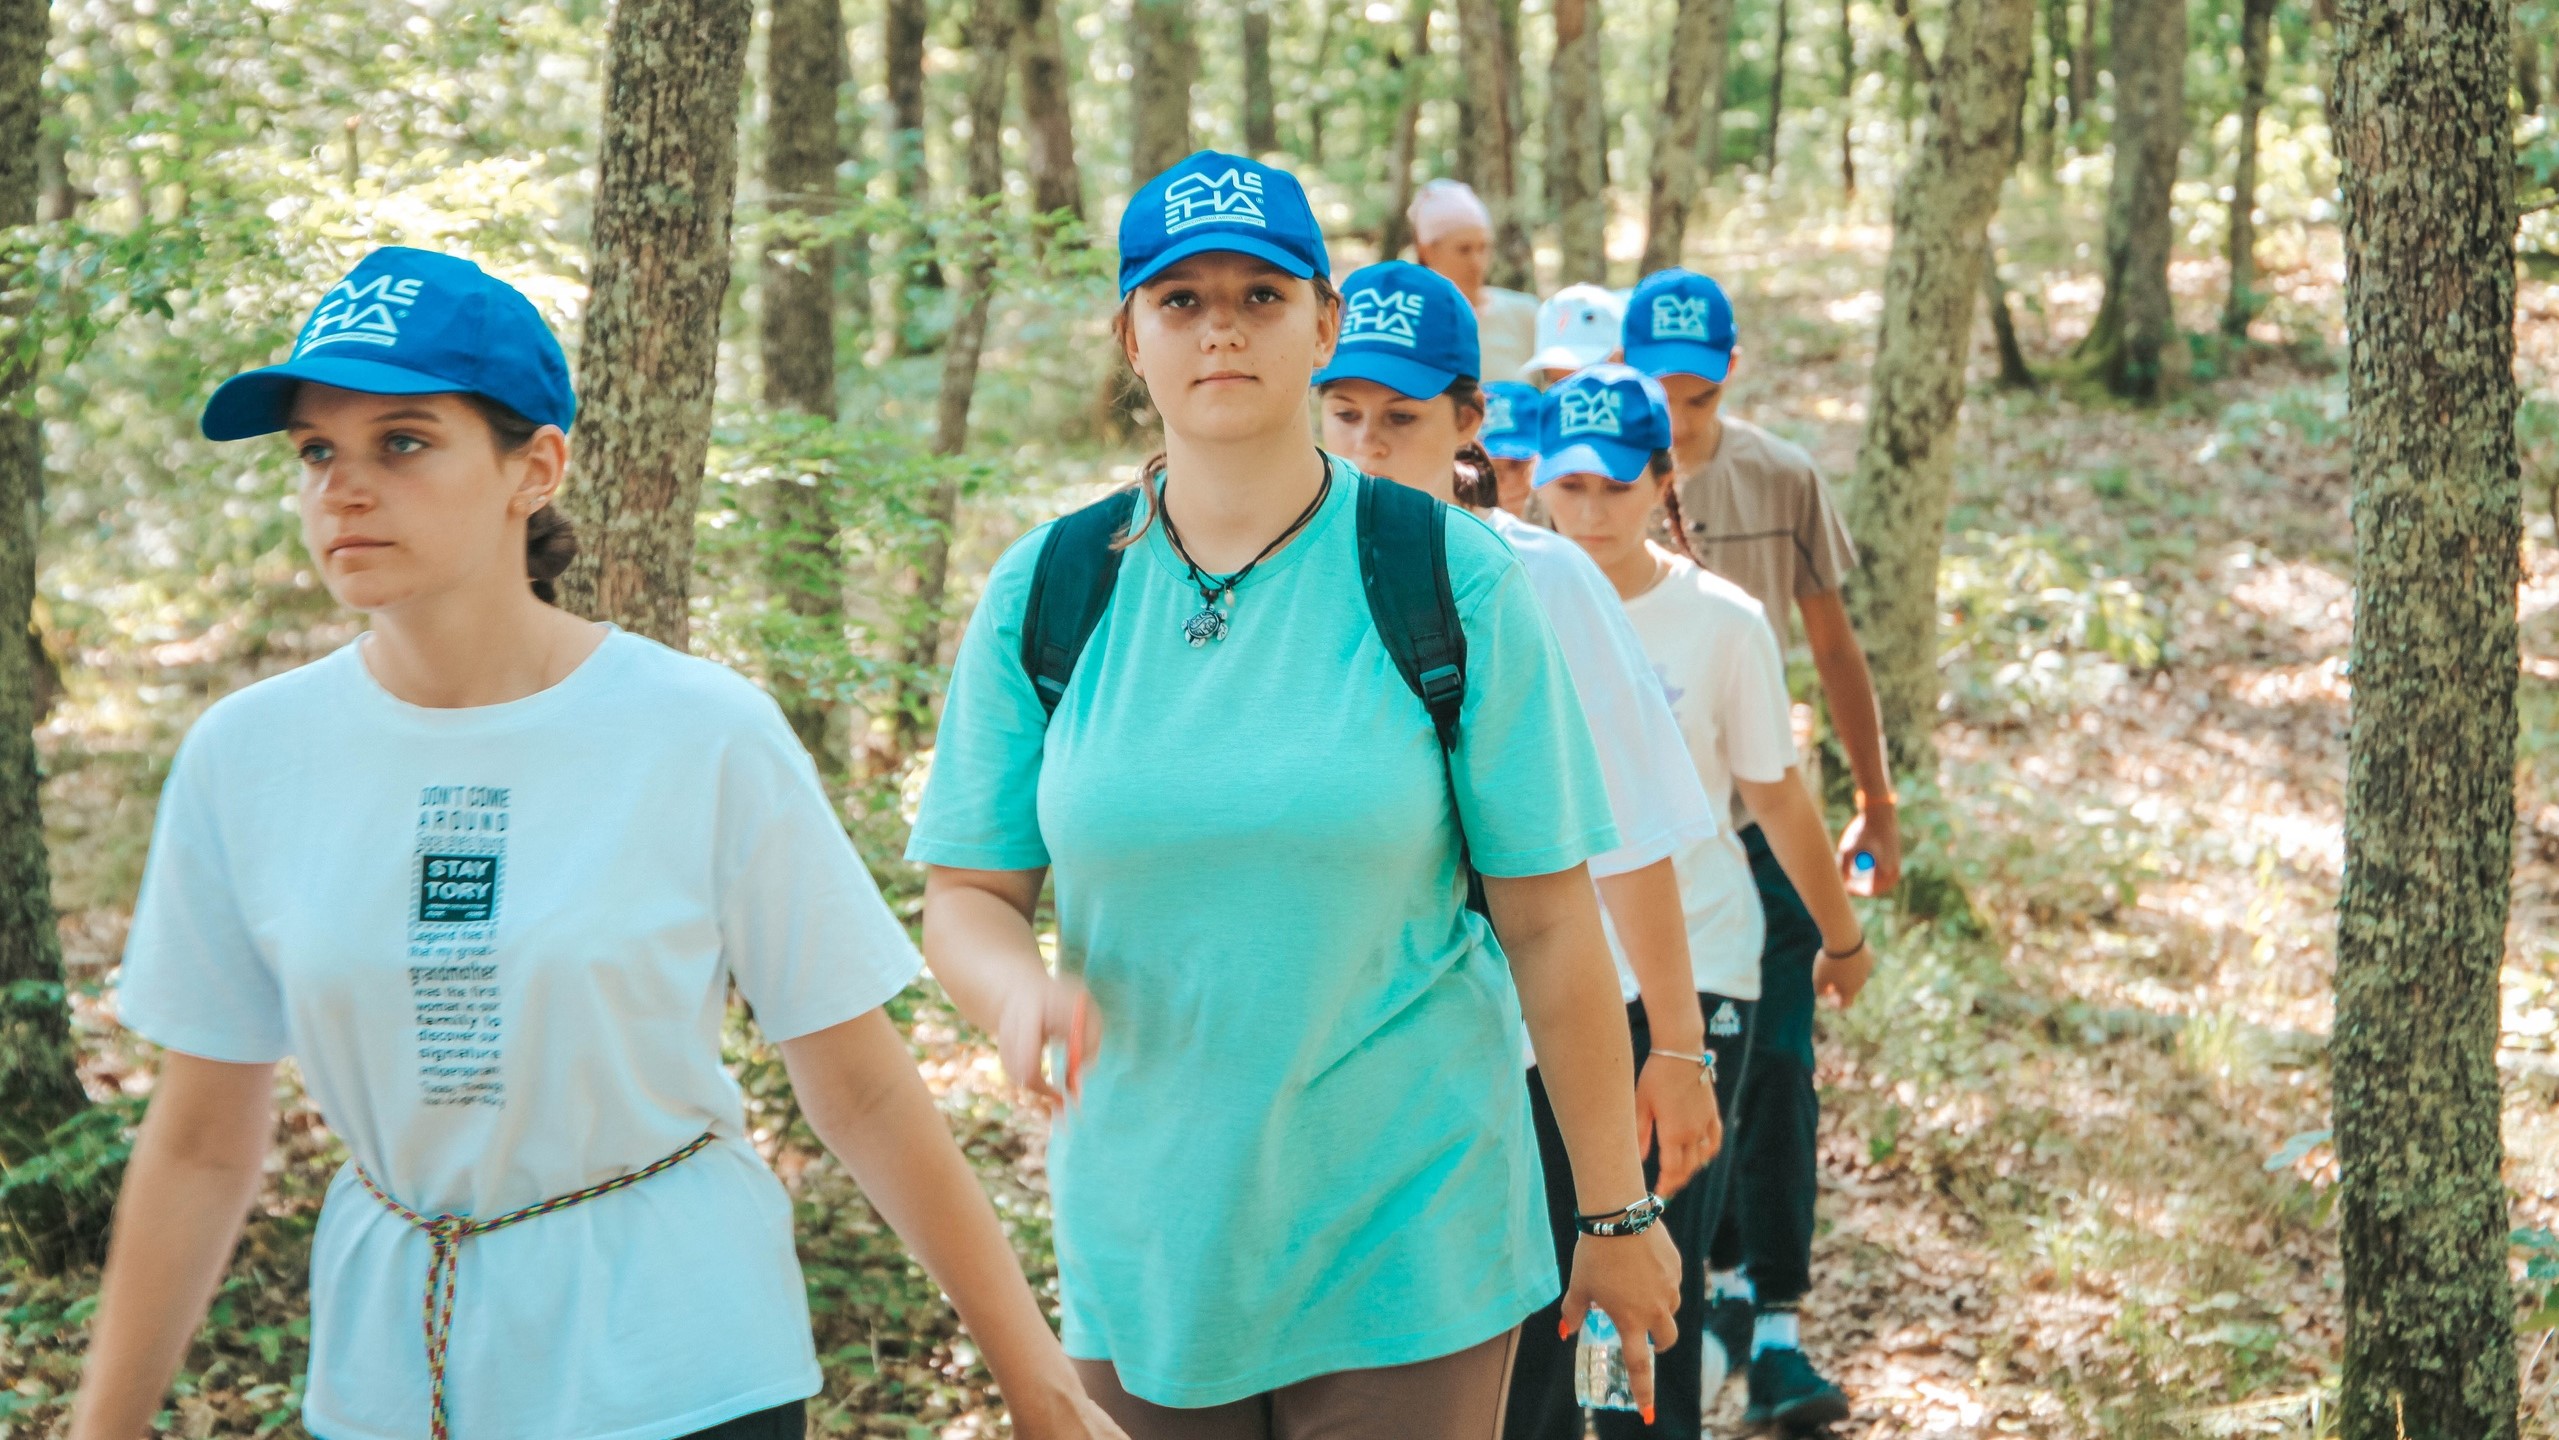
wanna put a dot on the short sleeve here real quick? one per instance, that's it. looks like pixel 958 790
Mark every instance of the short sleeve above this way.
pixel 981 803
pixel 1821 538
pixel 1527 776
pixel 194 979
pixel 1759 722
pixel 802 924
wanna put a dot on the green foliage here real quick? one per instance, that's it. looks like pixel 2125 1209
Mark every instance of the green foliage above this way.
pixel 70 1183
pixel 2037 624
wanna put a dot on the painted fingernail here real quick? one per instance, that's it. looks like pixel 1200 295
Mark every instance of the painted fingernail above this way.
pixel 1564 1329
pixel 1647 1413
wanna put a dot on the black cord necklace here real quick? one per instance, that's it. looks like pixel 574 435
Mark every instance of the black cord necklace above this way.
pixel 1210 623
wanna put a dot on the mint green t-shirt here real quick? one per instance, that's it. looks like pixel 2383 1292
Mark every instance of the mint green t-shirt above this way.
pixel 1304 1146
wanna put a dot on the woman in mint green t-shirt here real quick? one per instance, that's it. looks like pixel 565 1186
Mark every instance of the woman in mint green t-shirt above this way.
pixel 1296 1186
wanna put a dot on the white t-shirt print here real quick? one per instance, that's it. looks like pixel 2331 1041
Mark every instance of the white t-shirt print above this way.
pixel 499 943
pixel 1717 658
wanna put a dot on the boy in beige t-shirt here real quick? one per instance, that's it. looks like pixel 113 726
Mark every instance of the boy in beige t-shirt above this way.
pixel 1755 511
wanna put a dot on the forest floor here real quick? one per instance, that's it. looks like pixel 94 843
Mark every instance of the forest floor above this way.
pixel 2070 1135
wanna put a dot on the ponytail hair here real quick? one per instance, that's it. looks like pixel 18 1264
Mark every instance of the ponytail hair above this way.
pixel 550 541
pixel 1668 473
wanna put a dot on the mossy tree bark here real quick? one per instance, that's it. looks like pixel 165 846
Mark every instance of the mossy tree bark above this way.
pixel 1694 84
pixel 1164 62
pixel 1488 55
pixel 39 1074
pixel 1904 475
pixel 803 71
pixel 2419 112
pixel 1048 119
pixel 666 184
pixel 1577 144
pixel 2255 21
pixel 2133 346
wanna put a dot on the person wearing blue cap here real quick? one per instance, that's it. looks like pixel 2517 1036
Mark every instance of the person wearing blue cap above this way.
pixel 1512 409
pixel 1755 511
pixel 1402 400
pixel 1294 1171
pixel 488 873
pixel 1605 470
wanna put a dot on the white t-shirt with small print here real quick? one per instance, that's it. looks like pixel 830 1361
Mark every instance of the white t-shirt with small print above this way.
pixel 499 943
pixel 1711 645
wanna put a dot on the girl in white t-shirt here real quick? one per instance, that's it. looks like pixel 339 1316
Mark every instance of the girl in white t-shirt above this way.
pixel 488 874
pixel 1603 469
pixel 1401 399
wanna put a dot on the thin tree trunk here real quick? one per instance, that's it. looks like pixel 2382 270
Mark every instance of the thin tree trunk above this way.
pixel 1315 109
pixel 1847 101
pixel 1776 93
pixel 1698 36
pixel 1261 105
pixel 1048 117
pixel 2255 20
pixel 1489 75
pixel 666 181
pixel 2056 86
pixel 2424 141
pixel 39 1074
pixel 990 35
pixel 1412 70
pixel 2014 372
pixel 2527 70
pixel 2083 73
pixel 1576 144
pixel 1164 60
pixel 2133 346
pixel 1904 476
pixel 903 23
pixel 803 70
pixel 1514 249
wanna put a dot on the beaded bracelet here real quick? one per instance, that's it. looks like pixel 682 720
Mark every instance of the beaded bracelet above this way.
pixel 1635 1219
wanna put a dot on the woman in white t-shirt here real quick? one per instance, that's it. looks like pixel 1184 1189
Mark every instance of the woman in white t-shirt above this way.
pixel 487 874
pixel 1603 469
pixel 1400 398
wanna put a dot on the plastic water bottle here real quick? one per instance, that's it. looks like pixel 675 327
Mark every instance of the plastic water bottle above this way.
pixel 1599 1366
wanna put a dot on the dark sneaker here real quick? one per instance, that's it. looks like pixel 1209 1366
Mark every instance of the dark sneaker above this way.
pixel 1727 1347
pixel 1788 1393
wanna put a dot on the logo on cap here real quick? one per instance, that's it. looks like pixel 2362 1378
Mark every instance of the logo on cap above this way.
pixel 1235 196
pixel 1389 317
pixel 363 314
pixel 1497 413
pixel 1679 317
pixel 1590 412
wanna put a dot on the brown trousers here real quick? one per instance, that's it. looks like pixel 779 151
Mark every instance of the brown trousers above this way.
pixel 1455 1397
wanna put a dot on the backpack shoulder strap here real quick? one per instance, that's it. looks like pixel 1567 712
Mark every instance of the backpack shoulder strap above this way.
pixel 1403 564
pixel 1070 588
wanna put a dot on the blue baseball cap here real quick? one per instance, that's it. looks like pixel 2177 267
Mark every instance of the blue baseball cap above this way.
pixel 409 322
pixel 1407 328
pixel 1215 201
pixel 1607 420
pixel 1512 410
pixel 1679 323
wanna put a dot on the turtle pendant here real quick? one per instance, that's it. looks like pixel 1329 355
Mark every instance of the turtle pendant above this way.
pixel 1209 624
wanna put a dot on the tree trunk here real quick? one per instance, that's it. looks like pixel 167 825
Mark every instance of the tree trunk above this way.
pixel 2014 372
pixel 2527 70
pixel 1693 85
pixel 1904 476
pixel 1776 93
pixel 1048 117
pixel 2134 346
pixel 39 1074
pixel 1576 144
pixel 903 23
pixel 1315 110
pixel 2083 73
pixel 666 180
pixel 2424 143
pixel 1412 71
pixel 1847 101
pixel 1489 74
pixel 803 70
pixel 1164 59
pixel 2063 111
pixel 990 36
pixel 2241 306
pixel 1261 106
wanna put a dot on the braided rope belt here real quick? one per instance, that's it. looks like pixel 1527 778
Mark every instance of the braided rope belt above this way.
pixel 447 1232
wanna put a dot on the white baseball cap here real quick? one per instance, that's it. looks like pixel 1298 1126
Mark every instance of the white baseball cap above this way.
pixel 1578 325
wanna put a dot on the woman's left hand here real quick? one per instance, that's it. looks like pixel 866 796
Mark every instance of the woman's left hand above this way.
pixel 1635 1279
pixel 1673 1107
pixel 1067 1415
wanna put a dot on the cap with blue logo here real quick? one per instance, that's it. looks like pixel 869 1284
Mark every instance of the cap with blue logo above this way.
pixel 1407 328
pixel 1679 323
pixel 1512 410
pixel 1215 201
pixel 1608 420
pixel 409 322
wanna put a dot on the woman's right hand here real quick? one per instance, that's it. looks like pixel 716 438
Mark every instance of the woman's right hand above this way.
pixel 1066 1415
pixel 1635 1279
pixel 1054 1010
